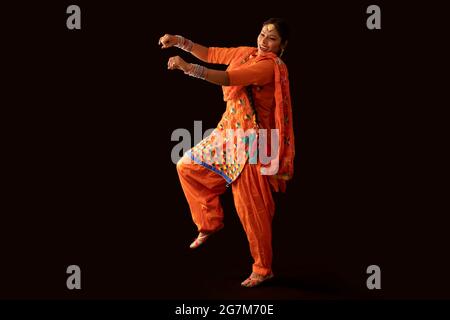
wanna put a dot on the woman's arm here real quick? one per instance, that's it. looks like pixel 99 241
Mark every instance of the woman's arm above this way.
pixel 215 55
pixel 197 50
pixel 200 52
pixel 217 77
pixel 214 76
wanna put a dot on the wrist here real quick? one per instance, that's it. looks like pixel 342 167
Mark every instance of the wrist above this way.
pixel 184 44
pixel 188 68
pixel 178 40
pixel 196 71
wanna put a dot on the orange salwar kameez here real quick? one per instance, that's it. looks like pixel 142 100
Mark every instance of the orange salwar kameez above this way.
pixel 203 181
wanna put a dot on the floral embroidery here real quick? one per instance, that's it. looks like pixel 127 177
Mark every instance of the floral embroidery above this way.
pixel 217 153
pixel 224 159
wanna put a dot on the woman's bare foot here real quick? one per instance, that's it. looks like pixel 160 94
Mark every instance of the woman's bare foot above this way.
pixel 199 240
pixel 202 237
pixel 255 279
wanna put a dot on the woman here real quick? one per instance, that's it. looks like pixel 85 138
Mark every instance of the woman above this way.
pixel 256 90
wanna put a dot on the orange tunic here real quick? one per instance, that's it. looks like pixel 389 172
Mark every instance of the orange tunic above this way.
pixel 244 68
pixel 259 74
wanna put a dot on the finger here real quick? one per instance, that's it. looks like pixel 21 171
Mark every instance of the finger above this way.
pixel 167 41
pixel 170 64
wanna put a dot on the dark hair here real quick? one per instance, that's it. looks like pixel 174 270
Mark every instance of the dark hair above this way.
pixel 282 27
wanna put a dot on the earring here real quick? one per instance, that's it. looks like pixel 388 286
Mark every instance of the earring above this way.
pixel 282 51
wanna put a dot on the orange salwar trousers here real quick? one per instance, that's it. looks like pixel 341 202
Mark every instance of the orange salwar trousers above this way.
pixel 252 198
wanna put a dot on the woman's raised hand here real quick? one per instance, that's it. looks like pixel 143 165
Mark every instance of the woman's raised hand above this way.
pixel 167 41
pixel 178 63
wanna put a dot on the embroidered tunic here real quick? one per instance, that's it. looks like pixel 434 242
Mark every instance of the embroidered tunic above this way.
pixel 228 148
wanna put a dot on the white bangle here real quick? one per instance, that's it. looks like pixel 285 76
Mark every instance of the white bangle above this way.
pixel 184 43
pixel 197 71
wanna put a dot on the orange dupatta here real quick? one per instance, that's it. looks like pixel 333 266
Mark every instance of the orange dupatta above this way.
pixel 283 122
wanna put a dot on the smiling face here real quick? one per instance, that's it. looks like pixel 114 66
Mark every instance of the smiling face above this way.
pixel 269 40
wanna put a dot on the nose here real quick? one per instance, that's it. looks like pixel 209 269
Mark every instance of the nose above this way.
pixel 264 41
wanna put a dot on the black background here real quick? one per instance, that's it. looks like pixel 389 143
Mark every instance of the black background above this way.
pixel 88 178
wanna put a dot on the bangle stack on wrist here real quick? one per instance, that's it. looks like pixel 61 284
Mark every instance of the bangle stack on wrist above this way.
pixel 184 43
pixel 197 71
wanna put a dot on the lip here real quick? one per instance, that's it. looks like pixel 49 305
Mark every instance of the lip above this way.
pixel 264 49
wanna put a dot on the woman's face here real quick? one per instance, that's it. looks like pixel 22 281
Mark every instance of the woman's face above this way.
pixel 269 40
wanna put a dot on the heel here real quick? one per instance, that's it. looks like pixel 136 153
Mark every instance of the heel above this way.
pixel 201 238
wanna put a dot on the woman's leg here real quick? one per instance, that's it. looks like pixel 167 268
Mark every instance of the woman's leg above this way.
pixel 202 188
pixel 255 207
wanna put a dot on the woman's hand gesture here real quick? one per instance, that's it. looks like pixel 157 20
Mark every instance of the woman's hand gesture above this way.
pixel 167 41
pixel 178 63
